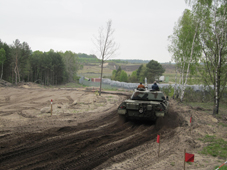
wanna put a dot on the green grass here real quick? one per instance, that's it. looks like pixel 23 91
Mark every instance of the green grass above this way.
pixel 94 71
pixel 172 163
pixel 171 77
pixel 71 85
pixel 204 105
pixel 215 146
pixel 222 168
pixel 209 105
pixel 222 124
pixel 109 96
pixel 190 81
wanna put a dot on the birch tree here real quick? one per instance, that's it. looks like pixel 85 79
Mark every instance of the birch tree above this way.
pixel 105 45
pixel 213 40
pixel 184 47
pixel 214 46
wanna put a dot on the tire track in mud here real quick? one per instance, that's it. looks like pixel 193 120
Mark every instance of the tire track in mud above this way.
pixel 85 146
pixel 78 147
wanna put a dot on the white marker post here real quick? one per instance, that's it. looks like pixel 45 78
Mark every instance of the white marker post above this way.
pixel 51 106
pixel 184 158
pixel 221 165
pixel 191 124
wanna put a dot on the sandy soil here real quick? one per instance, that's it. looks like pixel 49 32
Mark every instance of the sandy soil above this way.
pixel 84 132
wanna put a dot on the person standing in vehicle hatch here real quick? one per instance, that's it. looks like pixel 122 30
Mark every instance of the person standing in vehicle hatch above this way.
pixel 155 86
pixel 141 86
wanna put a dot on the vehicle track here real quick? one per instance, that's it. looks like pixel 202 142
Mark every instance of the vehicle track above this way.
pixel 84 146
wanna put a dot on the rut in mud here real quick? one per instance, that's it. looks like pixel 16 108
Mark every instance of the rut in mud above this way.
pixel 85 146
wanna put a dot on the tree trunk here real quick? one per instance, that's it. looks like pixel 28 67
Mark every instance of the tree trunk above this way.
pixel 15 76
pixel 18 73
pixel 175 86
pixel 2 71
pixel 217 84
pixel 215 110
pixel 186 78
pixel 101 78
pixel 12 74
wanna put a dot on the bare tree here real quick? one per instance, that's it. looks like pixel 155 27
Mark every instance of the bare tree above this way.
pixel 106 46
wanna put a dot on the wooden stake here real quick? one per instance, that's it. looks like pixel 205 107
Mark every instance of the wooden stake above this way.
pixel 184 158
pixel 51 107
pixel 191 124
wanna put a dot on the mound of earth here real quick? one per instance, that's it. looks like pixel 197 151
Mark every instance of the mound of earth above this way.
pixel 4 83
pixel 28 85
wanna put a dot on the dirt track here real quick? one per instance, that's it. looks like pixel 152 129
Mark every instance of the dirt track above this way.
pixel 89 135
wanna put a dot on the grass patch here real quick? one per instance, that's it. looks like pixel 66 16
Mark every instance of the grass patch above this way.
pixel 204 105
pixel 209 105
pixel 70 85
pixel 222 168
pixel 172 163
pixel 216 147
pixel 222 124
pixel 109 96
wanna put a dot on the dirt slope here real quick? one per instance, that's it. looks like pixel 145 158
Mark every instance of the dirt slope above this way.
pixel 84 133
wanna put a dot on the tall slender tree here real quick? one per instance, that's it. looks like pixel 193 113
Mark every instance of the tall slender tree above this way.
pixel 185 47
pixel 106 46
pixel 2 59
pixel 214 46
pixel 16 51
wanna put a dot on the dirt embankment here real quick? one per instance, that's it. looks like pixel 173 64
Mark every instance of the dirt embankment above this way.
pixel 84 133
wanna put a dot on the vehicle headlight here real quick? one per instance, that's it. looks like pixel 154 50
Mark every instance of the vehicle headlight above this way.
pixel 141 110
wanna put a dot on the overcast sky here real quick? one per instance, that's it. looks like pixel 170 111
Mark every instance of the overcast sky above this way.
pixel 141 27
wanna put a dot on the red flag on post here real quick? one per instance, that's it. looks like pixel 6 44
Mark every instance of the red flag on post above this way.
pixel 189 157
pixel 158 138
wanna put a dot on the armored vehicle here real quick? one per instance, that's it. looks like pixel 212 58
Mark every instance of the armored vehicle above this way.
pixel 144 104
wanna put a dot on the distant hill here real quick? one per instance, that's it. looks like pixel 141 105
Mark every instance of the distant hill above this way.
pixel 85 58
pixel 131 61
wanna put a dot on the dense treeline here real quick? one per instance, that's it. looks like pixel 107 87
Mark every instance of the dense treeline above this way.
pixel 84 58
pixel 117 61
pixel 152 70
pixel 20 63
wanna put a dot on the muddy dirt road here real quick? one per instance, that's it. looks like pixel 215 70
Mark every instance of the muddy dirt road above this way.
pixel 84 133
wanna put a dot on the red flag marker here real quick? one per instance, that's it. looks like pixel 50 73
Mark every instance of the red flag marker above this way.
pixel 158 138
pixel 189 157
pixel 158 141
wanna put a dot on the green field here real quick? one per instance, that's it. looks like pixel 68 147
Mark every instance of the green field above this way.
pixel 93 70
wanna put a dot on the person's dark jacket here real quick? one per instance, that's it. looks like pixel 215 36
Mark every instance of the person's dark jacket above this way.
pixel 155 87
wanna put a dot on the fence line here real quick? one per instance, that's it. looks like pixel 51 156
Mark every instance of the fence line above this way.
pixel 111 84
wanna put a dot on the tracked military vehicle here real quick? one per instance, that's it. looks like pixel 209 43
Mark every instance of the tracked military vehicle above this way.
pixel 144 104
